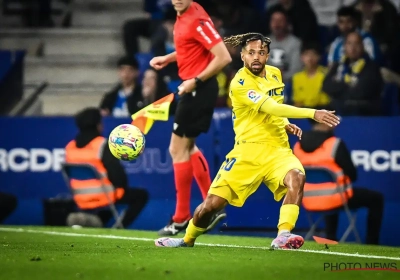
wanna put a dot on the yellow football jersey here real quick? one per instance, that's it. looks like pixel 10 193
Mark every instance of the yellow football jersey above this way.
pixel 248 92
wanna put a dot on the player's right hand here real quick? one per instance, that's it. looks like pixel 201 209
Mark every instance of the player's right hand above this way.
pixel 326 117
pixel 159 62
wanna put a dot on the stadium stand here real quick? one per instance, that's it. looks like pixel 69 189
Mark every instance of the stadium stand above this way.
pixel 69 59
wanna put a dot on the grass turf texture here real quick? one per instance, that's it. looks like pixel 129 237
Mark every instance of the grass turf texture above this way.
pixel 65 253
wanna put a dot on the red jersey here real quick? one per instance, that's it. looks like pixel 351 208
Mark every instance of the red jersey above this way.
pixel 194 36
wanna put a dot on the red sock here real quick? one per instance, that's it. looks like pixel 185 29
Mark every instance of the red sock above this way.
pixel 201 172
pixel 183 182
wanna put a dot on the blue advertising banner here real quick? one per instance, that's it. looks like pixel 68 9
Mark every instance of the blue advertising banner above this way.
pixel 35 150
pixel 32 153
pixel 32 150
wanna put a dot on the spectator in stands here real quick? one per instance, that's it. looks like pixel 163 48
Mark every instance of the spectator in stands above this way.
pixel 226 75
pixel 89 147
pixel 326 10
pixel 235 17
pixel 236 63
pixel 380 18
pixel 307 84
pixel 153 88
pixel 223 86
pixel 162 43
pixel 300 15
pixel 231 69
pixel 285 47
pixel 158 15
pixel 145 27
pixel 8 203
pixel 347 23
pixel 320 147
pixel 120 102
pixel 355 83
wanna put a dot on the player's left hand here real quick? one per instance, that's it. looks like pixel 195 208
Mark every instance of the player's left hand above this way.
pixel 187 86
pixel 294 129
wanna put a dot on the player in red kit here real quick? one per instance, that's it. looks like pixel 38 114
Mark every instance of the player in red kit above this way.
pixel 200 55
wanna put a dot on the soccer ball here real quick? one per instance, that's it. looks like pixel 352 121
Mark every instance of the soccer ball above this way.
pixel 126 142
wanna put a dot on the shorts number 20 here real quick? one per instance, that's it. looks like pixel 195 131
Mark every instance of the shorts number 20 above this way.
pixel 228 164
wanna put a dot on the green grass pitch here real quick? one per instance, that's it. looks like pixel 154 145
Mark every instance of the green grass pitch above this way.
pixel 65 253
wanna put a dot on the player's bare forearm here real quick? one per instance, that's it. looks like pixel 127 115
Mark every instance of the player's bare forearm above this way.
pixel 271 107
pixel 220 60
pixel 171 57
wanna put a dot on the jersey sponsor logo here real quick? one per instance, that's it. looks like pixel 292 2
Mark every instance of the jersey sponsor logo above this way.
pixel 253 96
pixel 241 81
pixel 274 92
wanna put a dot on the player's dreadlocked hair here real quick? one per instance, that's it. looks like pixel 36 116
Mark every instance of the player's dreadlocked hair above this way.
pixel 243 39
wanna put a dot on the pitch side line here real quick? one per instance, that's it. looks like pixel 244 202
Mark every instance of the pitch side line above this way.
pixel 197 243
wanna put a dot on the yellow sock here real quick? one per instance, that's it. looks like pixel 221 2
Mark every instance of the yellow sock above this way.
pixel 192 232
pixel 288 217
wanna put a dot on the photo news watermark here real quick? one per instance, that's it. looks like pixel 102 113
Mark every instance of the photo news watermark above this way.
pixel 343 266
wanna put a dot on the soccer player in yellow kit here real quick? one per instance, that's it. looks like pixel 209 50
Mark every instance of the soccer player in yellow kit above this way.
pixel 261 153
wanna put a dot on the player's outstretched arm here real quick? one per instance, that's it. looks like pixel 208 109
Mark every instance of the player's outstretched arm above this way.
pixel 270 106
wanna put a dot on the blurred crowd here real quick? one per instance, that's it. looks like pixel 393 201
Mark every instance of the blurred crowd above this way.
pixel 338 53
pixel 342 53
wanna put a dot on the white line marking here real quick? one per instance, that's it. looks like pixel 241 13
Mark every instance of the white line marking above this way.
pixel 197 244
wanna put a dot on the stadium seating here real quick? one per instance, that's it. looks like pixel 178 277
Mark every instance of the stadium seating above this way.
pixel 5 63
pixel 143 60
pixel 11 79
